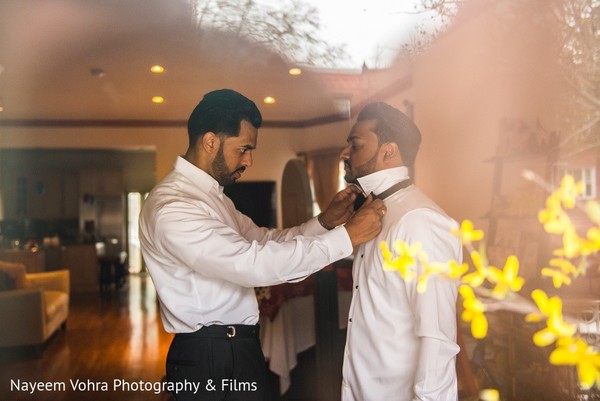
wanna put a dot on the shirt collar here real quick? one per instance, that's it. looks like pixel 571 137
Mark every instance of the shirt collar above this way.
pixel 197 176
pixel 379 181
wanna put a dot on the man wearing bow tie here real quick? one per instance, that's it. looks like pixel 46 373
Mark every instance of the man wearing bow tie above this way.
pixel 401 345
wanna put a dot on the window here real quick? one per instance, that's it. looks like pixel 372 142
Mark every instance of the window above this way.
pixel 342 172
pixel 588 176
pixel 134 206
pixel 341 185
pixel 585 174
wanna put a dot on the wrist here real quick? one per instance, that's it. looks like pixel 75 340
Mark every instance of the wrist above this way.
pixel 323 223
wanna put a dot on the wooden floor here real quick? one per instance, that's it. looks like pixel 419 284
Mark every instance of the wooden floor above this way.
pixel 114 335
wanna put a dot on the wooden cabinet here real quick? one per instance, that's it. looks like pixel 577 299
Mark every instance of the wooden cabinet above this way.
pixel 101 182
pixel 55 194
pixel 82 262
pixel 34 261
pixel 40 194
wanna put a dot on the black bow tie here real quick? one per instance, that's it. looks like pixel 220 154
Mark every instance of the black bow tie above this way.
pixel 360 199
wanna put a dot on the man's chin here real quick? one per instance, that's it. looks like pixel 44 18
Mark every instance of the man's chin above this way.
pixel 350 180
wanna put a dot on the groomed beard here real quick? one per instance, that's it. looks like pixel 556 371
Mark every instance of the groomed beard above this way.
pixel 365 169
pixel 220 170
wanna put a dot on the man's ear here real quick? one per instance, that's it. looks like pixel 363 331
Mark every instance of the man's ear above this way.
pixel 390 151
pixel 210 142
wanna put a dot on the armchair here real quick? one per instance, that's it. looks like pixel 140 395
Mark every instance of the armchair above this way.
pixel 35 308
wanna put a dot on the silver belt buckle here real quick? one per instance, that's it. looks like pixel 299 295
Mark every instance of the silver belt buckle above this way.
pixel 230 331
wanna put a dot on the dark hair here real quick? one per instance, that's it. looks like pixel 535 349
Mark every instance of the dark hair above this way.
pixel 394 126
pixel 222 111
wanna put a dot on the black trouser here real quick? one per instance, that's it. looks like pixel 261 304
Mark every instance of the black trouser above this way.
pixel 217 363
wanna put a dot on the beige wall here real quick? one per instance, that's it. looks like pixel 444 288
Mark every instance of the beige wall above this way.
pixel 463 87
pixel 275 145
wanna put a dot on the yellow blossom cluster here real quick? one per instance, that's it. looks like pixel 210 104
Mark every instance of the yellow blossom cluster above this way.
pixel 501 285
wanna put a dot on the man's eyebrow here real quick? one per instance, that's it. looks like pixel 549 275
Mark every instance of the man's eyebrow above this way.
pixel 351 137
pixel 248 146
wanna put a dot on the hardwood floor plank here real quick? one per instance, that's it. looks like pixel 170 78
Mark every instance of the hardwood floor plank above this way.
pixel 118 335
pixel 114 335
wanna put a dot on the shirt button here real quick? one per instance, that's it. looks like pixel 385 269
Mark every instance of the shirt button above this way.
pixel 350 320
pixel 356 287
pixel 362 255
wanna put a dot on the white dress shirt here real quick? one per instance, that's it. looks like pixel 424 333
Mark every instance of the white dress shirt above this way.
pixel 205 257
pixel 401 345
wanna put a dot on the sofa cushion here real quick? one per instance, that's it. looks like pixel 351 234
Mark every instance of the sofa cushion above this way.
pixel 56 302
pixel 16 271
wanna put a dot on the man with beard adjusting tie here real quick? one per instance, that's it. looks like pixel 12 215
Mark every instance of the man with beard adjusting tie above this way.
pixel 205 257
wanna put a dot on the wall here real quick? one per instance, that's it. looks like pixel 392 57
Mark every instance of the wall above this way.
pixel 472 79
pixel 275 145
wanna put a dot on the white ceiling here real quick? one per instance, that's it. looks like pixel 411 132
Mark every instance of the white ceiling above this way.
pixel 49 47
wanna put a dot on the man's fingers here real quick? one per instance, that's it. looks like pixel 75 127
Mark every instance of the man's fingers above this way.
pixel 352 189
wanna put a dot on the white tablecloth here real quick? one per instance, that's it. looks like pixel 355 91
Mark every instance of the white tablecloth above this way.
pixel 293 331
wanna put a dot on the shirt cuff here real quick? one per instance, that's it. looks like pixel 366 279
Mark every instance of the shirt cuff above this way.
pixel 312 227
pixel 338 240
pixel 341 243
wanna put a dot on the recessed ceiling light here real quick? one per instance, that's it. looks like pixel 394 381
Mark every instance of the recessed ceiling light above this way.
pixel 269 100
pixel 157 69
pixel 158 99
pixel 295 71
pixel 1 109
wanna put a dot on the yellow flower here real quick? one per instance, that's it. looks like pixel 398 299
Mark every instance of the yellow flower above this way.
pixel 451 270
pixel 455 270
pixel 569 190
pixel 476 278
pixel 565 265
pixel 572 243
pixel 507 279
pixel 556 328
pixel 576 352
pixel 592 209
pixel 489 394
pixel 404 262
pixel 554 219
pixel 473 312
pixel 593 235
pixel 558 277
pixel 562 276
pixel 429 269
pixel 467 233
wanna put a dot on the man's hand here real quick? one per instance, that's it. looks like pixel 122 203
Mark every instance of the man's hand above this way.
pixel 341 208
pixel 366 223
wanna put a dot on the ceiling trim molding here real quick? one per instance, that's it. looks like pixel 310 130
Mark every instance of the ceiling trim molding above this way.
pixel 83 123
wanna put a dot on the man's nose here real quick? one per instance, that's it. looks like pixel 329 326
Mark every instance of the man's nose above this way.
pixel 345 154
pixel 247 160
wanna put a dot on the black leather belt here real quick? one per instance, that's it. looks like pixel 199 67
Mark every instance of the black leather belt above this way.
pixel 225 331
